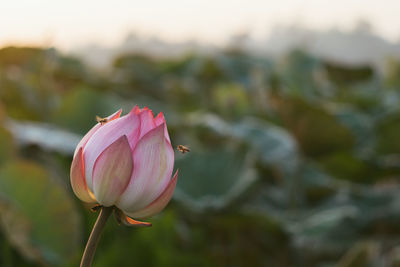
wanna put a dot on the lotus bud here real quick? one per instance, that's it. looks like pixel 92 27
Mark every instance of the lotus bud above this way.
pixel 126 162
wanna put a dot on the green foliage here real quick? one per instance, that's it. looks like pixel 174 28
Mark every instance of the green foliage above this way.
pixel 318 132
pixel 6 145
pixel 37 214
pixel 294 161
pixel 231 100
pixel 345 165
pixel 82 101
pixel 227 170
pixel 388 129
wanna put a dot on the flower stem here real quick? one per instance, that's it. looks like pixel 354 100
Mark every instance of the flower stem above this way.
pixel 95 235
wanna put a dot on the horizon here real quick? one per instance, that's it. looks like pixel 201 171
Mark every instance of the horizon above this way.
pixel 64 26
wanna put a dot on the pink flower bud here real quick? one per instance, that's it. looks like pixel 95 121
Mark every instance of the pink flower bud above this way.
pixel 126 162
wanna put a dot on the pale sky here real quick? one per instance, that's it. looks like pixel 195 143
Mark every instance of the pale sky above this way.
pixel 66 24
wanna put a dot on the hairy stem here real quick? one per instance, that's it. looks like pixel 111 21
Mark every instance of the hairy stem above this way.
pixel 95 235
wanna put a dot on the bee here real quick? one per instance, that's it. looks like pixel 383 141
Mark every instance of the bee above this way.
pixel 183 149
pixel 101 120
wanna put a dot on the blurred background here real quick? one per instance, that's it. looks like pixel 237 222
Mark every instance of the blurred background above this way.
pixel 291 110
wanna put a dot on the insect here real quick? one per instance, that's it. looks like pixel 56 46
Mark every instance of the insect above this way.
pixel 183 149
pixel 101 120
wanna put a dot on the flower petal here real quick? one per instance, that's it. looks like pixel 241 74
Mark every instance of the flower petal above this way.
pixel 153 159
pixel 78 181
pixel 85 139
pixel 122 218
pixel 112 172
pixel 159 204
pixel 128 125
pixel 146 121
pixel 131 222
pixel 160 120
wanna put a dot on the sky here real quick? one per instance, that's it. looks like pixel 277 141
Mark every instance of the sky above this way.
pixel 72 23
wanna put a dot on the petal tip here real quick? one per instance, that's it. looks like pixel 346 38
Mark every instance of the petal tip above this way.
pixel 119 111
pixel 160 118
pixel 135 110
pixel 122 140
pixel 176 174
pixel 115 115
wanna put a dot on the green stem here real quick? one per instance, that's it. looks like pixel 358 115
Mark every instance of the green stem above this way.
pixel 95 235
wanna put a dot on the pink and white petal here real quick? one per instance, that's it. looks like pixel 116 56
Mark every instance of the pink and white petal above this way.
pixel 85 139
pixel 153 159
pixel 146 121
pixel 78 181
pixel 160 203
pixel 160 120
pixel 128 125
pixel 112 172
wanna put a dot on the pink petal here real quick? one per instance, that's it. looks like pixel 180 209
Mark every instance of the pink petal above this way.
pixel 112 172
pixel 159 204
pixel 128 125
pixel 85 139
pixel 153 159
pixel 78 181
pixel 146 121
pixel 160 120
pixel 145 108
